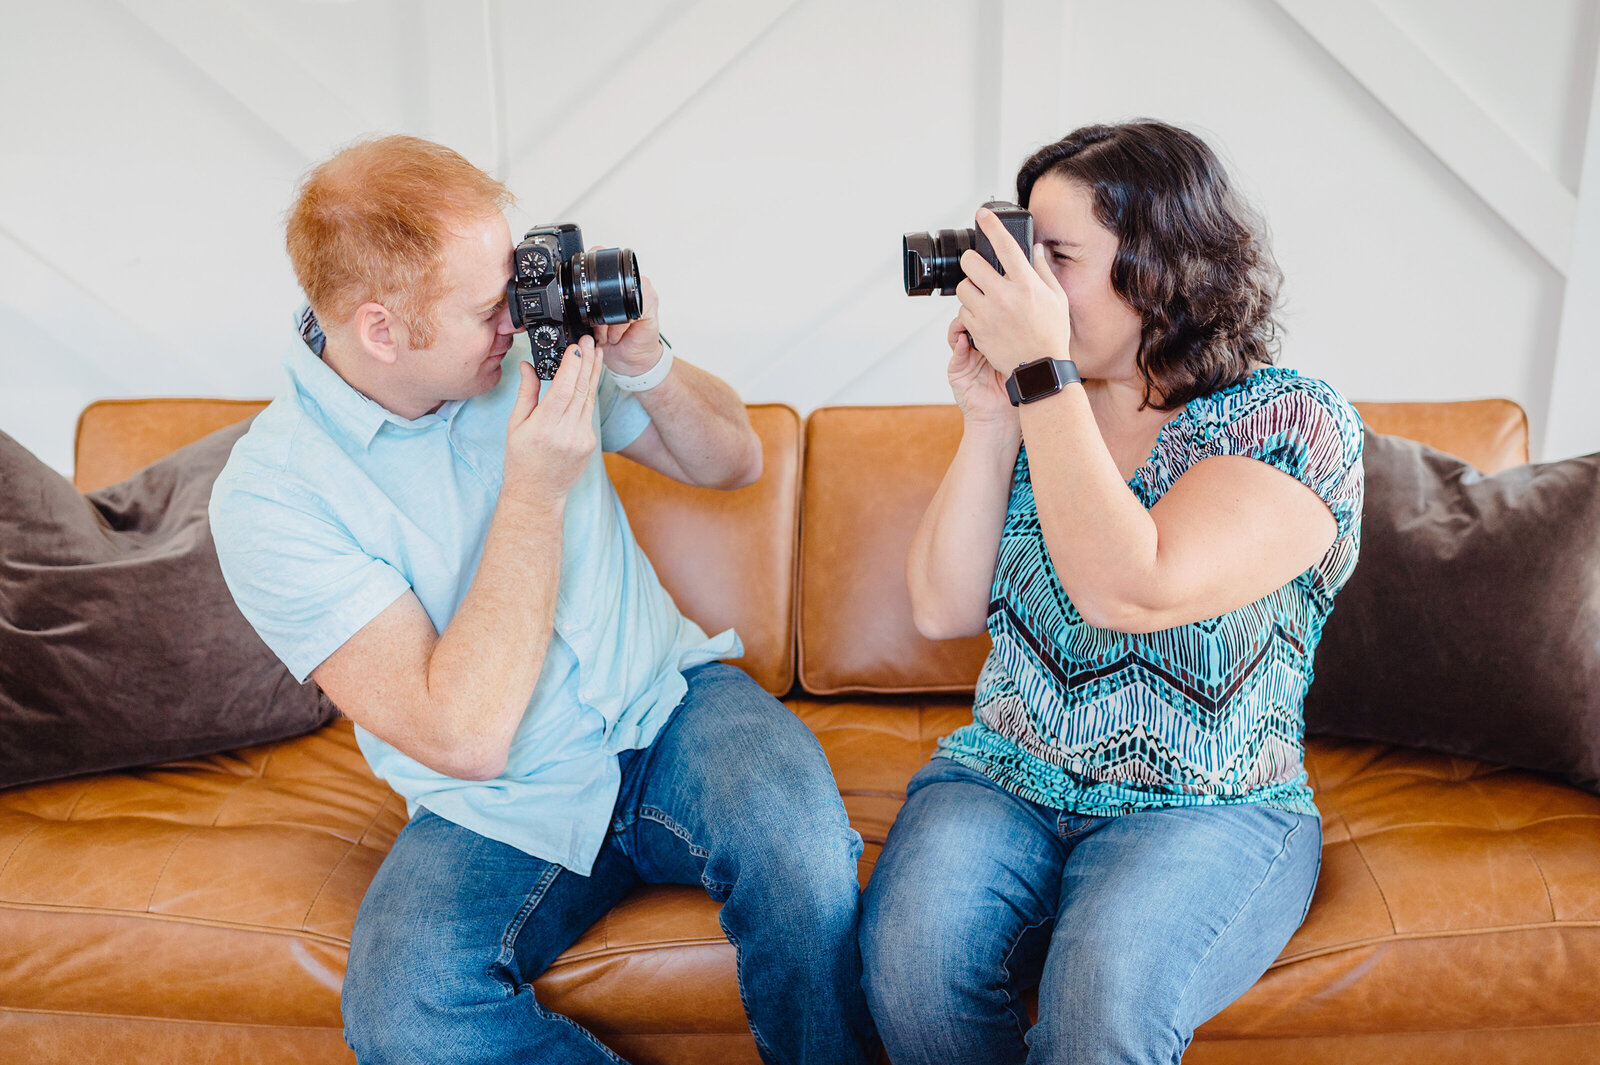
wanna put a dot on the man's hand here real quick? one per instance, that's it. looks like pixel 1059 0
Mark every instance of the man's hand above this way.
pixel 631 348
pixel 549 440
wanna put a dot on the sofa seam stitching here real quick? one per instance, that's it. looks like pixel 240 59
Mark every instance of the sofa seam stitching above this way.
pixel 1516 834
pixel 1350 834
pixel 156 884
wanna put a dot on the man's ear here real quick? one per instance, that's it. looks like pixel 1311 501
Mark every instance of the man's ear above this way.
pixel 379 332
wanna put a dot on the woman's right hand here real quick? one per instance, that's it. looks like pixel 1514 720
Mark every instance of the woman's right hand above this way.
pixel 979 389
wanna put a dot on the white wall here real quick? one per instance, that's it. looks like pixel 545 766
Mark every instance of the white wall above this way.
pixel 1420 163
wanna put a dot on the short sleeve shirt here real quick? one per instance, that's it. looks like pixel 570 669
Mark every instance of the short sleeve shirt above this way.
pixel 331 507
pixel 1101 722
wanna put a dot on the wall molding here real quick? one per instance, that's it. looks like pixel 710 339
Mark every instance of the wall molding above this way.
pixel 1434 109
pixel 637 97
pixel 1571 426
pixel 258 69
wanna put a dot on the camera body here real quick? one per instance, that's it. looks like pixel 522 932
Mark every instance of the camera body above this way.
pixel 558 292
pixel 933 260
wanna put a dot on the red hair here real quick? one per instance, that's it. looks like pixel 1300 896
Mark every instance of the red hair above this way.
pixel 370 224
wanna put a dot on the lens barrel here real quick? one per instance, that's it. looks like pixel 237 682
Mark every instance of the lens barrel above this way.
pixel 606 285
pixel 933 260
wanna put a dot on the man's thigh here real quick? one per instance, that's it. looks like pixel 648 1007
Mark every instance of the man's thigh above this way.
pixel 473 916
pixel 733 773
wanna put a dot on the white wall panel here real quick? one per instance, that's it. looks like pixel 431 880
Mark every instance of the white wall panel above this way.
pixel 778 149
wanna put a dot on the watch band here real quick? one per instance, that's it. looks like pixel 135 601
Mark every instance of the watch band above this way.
pixel 651 377
pixel 1043 378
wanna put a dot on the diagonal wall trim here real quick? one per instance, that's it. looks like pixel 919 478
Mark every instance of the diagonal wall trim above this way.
pixel 258 69
pixel 636 97
pixel 71 314
pixel 1448 122
pixel 1570 426
pixel 846 341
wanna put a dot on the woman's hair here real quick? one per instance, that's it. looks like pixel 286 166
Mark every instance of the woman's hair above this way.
pixel 1192 257
pixel 372 222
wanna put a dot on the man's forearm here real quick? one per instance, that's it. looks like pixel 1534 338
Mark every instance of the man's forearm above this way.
pixel 704 426
pixel 483 669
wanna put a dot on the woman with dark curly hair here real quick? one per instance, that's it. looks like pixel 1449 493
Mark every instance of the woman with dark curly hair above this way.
pixel 1151 521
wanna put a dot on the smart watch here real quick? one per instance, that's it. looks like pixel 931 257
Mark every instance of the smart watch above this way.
pixel 1039 379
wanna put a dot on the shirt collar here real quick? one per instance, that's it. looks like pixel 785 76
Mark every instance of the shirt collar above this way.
pixel 346 412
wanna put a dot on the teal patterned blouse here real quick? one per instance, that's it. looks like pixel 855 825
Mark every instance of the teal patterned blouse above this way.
pixel 1100 722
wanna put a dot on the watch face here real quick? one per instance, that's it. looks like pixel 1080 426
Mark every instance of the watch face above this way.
pixel 1036 379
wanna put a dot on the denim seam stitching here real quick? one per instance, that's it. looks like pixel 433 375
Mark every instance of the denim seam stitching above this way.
pixel 1013 999
pixel 551 1015
pixel 1283 849
pixel 509 938
pixel 738 979
pixel 651 813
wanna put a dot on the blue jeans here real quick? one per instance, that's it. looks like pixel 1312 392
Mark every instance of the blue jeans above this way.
pixel 1135 928
pixel 734 794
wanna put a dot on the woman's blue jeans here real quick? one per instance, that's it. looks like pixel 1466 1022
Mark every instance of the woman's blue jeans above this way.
pixel 734 794
pixel 1135 928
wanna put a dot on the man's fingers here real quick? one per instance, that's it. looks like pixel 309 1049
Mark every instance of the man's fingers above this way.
pixel 564 385
pixel 591 382
pixel 527 394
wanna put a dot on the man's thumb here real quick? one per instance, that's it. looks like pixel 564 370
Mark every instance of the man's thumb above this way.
pixel 527 393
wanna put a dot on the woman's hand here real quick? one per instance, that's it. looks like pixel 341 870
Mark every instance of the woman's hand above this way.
pixel 980 391
pixel 1018 316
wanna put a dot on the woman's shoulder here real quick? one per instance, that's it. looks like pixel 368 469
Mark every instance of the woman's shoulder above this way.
pixel 1274 400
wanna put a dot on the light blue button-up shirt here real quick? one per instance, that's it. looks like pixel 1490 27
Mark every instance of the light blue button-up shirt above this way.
pixel 331 507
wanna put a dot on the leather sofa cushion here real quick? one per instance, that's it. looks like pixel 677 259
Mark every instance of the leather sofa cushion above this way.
pixel 1454 895
pixel 728 558
pixel 869 475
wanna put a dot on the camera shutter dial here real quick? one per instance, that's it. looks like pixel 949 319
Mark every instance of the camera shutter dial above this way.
pixel 545 337
pixel 537 264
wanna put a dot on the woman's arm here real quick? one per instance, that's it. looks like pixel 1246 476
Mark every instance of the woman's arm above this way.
pixel 1229 531
pixel 950 567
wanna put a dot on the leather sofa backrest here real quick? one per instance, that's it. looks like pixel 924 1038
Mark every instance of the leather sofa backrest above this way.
pixel 869 475
pixel 728 558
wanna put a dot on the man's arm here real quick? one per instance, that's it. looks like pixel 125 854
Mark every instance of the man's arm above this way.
pixel 699 431
pixel 453 700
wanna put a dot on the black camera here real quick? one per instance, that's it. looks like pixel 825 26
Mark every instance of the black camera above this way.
pixel 558 292
pixel 933 261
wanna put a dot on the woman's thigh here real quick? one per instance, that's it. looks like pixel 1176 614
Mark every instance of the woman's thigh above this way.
pixel 956 916
pixel 1166 917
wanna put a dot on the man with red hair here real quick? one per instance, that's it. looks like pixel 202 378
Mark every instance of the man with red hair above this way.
pixel 434 541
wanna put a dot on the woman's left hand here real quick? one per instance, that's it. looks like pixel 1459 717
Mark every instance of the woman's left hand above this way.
pixel 631 348
pixel 1018 316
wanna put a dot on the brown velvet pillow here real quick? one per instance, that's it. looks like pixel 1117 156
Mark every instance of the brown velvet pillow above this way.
pixel 1472 622
pixel 119 643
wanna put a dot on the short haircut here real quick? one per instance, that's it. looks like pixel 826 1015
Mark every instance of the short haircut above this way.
pixel 1192 257
pixel 371 223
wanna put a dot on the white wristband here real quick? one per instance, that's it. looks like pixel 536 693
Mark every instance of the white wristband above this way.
pixel 650 378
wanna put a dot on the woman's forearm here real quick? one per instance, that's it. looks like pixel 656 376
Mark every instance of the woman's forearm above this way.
pixel 950 567
pixel 1101 539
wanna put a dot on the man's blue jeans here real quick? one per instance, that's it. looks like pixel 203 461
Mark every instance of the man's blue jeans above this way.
pixel 1135 928
pixel 734 794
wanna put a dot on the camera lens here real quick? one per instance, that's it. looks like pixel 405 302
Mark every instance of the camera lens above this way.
pixel 606 284
pixel 933 261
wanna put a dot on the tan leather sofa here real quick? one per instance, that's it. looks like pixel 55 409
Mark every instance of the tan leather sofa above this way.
pixel 200 911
